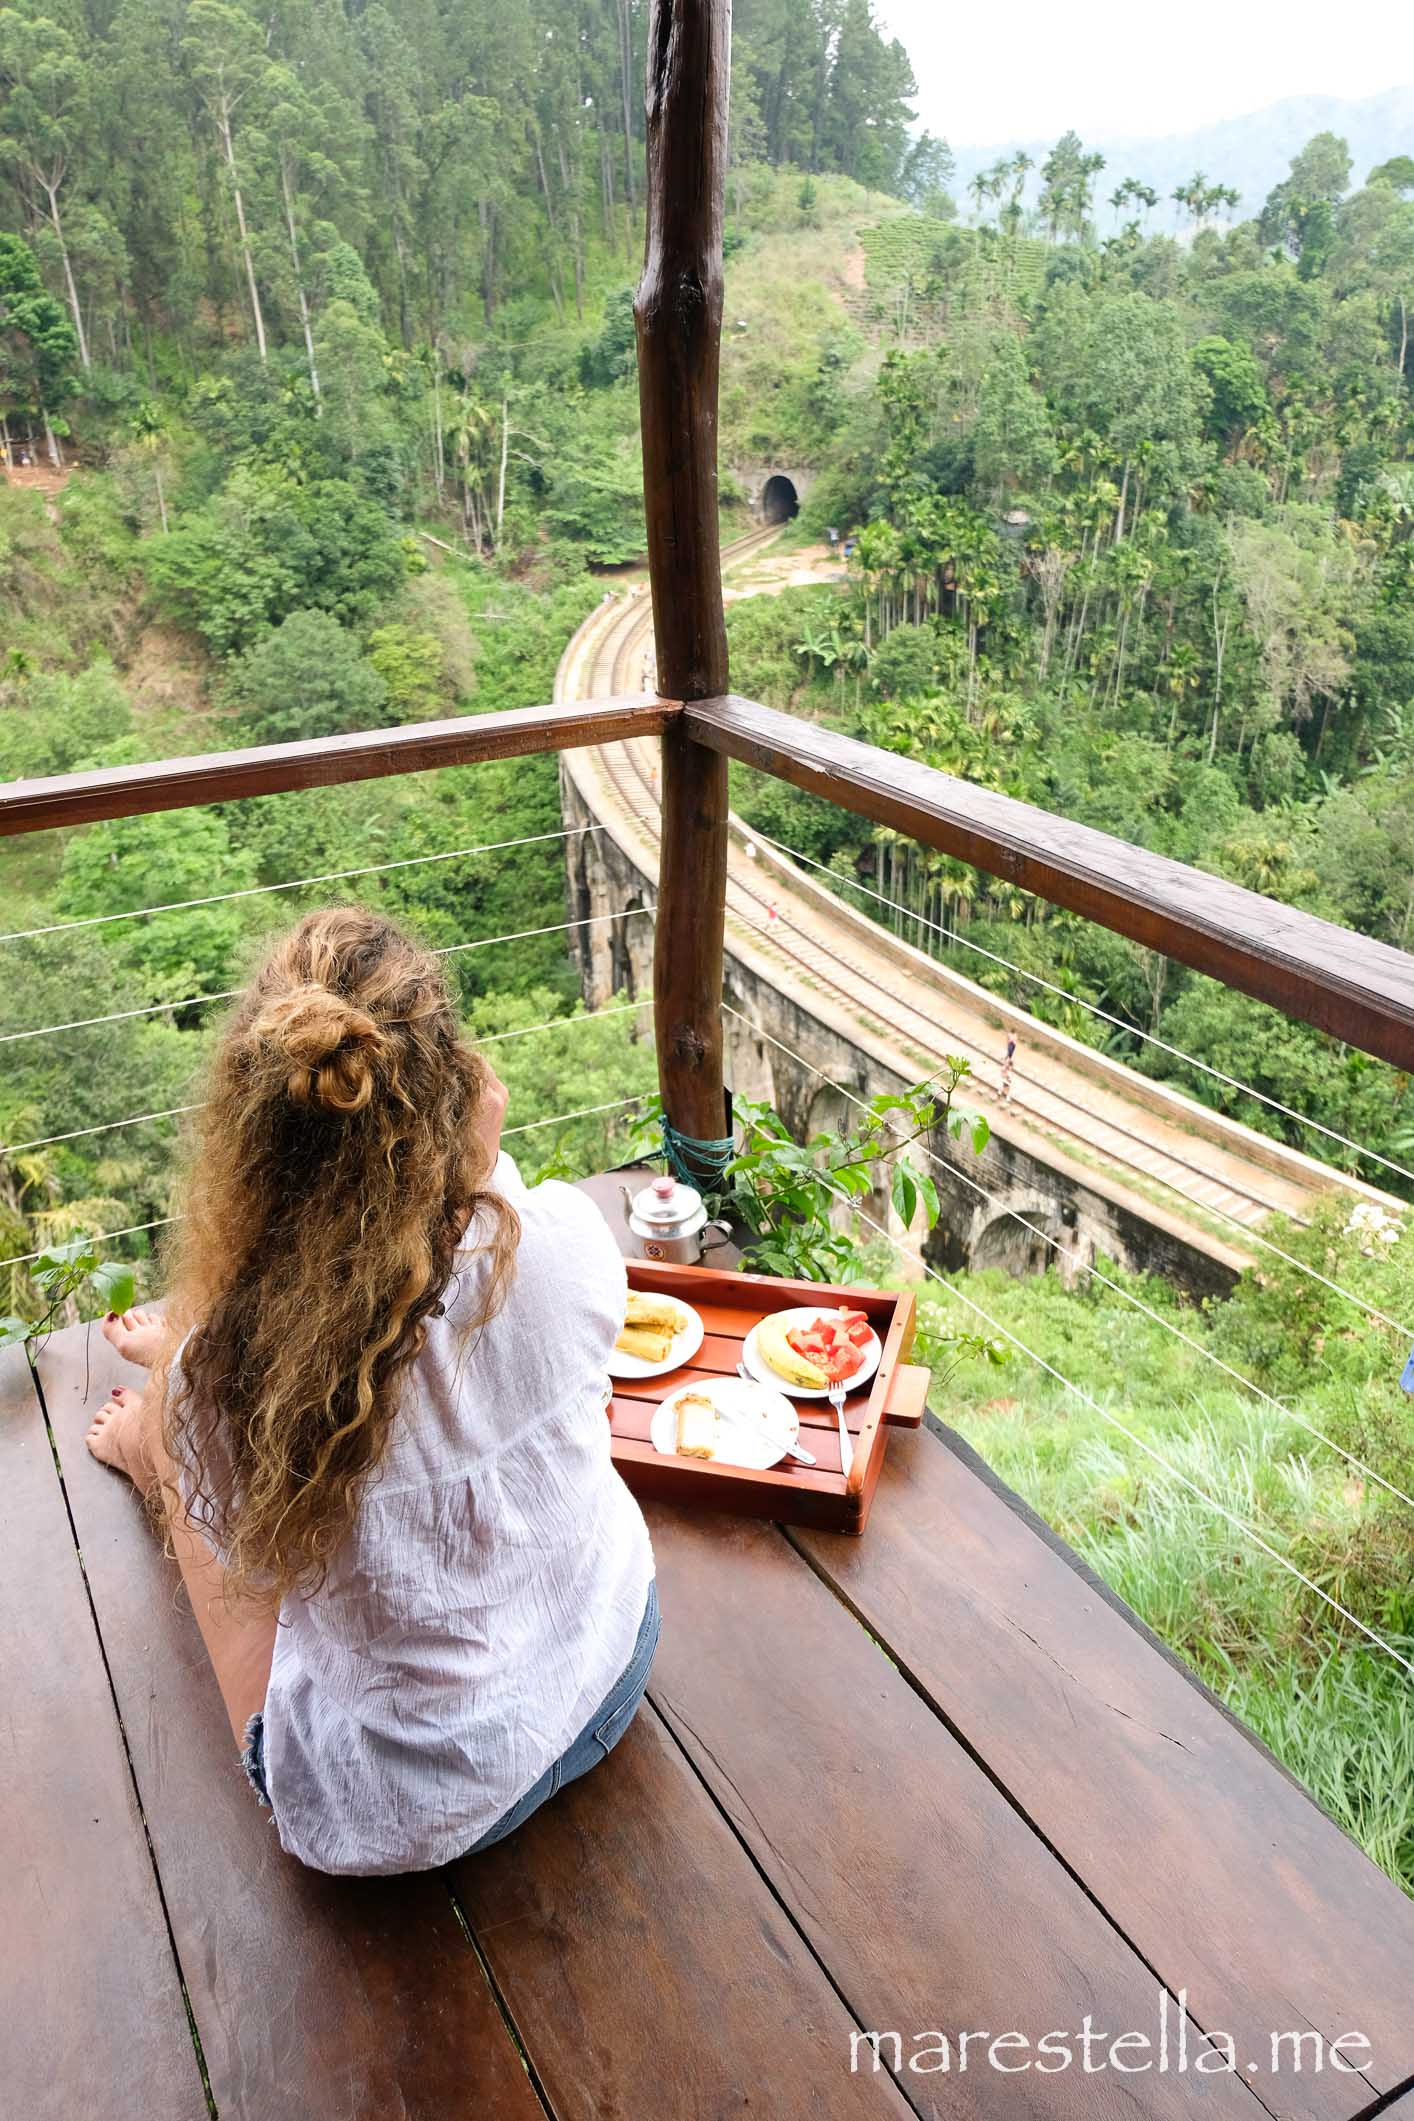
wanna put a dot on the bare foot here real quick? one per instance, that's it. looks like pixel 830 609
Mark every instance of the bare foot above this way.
pixel 137 1336
pixel 118 1438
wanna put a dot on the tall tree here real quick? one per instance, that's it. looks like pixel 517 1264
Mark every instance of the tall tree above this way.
pixel 226 56
pixel 37 344
pixel 1067 187
pixel 43 113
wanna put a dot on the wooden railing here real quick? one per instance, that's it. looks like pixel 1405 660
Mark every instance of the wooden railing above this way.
pixel 1359 990
pixel 321 762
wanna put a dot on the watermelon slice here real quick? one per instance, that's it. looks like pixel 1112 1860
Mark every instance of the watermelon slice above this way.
pixel 835 1342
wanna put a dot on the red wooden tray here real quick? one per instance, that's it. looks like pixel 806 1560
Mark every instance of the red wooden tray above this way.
pixel 730 1305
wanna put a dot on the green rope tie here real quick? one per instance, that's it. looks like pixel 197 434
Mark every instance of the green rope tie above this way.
pixel 690 1158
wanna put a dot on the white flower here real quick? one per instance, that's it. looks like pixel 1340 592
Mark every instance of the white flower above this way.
pixel 1374 1228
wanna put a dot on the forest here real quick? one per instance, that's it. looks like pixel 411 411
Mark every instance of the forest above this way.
pixel 318 407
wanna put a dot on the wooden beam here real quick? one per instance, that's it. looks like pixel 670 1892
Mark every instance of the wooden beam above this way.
pixel 366 755
pixel 678 312
pixel 1357 989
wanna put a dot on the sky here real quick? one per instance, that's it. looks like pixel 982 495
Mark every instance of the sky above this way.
pixel 1027 69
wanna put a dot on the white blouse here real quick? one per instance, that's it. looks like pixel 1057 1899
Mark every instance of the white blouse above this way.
pixel 491 1589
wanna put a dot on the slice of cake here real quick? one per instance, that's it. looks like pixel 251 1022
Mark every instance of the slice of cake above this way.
pixel 696 1426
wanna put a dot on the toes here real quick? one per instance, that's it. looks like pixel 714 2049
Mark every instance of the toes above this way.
pixel 103 1445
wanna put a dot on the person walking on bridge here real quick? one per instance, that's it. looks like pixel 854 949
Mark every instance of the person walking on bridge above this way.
pixel 1008 1061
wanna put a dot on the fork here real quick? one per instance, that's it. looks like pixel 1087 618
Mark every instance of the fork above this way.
pixel 837 1399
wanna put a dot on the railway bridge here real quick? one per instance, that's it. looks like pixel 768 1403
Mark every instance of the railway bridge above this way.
pixel 823 1005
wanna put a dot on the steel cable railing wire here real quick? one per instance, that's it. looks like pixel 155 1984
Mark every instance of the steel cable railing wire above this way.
pixel 615 1104
pixel 138 1119
pixel 532 1126
pixel 104 1237
pixel 1193 1203
pixel 812 947
pixel 106 1126
pixel 1210 1502
pixel 299 883
pixel 1239 1524
pixel 1280 1406
pixel 195 1001
pixel 811 943
pixel 1036 979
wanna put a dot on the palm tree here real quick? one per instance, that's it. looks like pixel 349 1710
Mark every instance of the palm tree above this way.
pixel 472 425
pixel 1132 192
pixel 1017 171
pixel 149 432
pixel 987 184
pixel 857 656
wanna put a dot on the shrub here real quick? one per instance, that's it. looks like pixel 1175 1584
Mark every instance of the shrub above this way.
pixel 307 678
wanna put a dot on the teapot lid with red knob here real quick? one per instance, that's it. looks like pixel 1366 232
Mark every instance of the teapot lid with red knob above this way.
pixel 669 1206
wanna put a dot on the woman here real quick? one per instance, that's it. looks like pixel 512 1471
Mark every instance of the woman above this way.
pixel 380 1438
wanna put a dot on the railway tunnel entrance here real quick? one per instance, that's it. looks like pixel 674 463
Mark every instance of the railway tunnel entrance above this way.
pixel 780 503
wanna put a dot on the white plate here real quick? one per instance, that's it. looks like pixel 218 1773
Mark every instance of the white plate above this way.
pixel 686 1342
pixel 737 1445
pixel 806 1315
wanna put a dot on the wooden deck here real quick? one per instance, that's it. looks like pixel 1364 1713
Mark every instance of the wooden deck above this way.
pixel 931 1781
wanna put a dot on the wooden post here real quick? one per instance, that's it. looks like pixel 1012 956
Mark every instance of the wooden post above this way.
pixel 678 312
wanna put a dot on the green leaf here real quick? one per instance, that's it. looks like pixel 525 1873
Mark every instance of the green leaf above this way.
pixel 114 1283
pixel 14 1332
pixel 981 1133
pixel 904 1192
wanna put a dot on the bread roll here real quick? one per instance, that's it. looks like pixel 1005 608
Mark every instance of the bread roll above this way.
pixel 649 1347
pixel 655 1312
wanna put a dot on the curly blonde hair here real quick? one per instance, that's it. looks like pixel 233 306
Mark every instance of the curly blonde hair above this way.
pixel 337 1165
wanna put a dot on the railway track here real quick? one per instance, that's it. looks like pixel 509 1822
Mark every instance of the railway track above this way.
pixel 1219 1188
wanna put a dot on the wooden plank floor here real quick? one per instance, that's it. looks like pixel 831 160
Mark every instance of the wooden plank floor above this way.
pixel 84 1935
pixel 927 1783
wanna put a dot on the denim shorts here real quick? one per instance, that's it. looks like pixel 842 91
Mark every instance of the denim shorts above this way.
pixel 598 1738
pixel 595 1742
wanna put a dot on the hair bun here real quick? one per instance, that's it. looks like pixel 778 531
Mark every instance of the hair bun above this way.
pixel 330 1047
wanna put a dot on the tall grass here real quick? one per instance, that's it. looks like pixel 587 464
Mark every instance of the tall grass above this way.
pixel 1338 1712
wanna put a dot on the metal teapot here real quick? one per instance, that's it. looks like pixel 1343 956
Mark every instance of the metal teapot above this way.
pixel 669 1222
